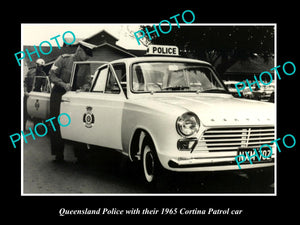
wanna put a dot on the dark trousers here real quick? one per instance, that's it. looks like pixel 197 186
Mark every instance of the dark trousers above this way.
pixel 25 114
pixel 57 143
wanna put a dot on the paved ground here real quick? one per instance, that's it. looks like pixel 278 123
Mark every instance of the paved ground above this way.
pixel 111 172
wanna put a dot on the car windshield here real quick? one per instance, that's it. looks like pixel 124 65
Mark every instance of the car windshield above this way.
pixel 174 77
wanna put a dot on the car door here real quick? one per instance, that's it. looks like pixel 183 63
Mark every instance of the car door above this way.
pixel 38 101
pixel 96 115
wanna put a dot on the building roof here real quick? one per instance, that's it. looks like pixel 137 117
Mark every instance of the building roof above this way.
pixel 254 65
pixel 137 52
pixel 117 48
pixel 97 40
pixel 102 34
pixel 48 58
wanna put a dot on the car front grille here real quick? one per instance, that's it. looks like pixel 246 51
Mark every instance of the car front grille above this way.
pixel 231 139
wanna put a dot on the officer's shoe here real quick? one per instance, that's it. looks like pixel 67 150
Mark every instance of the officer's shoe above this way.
pixel 81 162
pixel 59 159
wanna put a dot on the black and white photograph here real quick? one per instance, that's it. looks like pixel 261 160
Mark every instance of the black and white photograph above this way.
pixel 131 109
pixel 158 112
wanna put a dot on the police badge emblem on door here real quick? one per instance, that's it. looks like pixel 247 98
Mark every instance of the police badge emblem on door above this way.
pixel 88 117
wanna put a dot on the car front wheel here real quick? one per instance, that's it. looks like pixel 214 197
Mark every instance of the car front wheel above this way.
pixel 150 162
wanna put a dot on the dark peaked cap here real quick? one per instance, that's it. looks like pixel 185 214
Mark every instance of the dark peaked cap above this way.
pixel 88 48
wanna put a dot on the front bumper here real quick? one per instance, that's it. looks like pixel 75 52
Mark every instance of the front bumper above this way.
pixel 218 165
pixel 217 148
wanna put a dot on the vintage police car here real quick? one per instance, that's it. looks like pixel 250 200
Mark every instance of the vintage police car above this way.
pixel 168 113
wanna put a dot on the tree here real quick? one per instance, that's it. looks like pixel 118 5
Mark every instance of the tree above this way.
pixel 222 46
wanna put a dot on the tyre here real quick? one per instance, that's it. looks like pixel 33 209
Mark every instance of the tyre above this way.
pixel 81 152
pixel 150 162
pixel 264 176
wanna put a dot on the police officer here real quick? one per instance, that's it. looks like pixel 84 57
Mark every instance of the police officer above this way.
pixel 60 75
pixel 37 71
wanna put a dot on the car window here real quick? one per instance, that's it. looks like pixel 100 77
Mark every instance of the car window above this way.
pixel 120 70
pixel 41 84
pixel 112 86
pixel 99 85
pixel 174 77
pixel 83 75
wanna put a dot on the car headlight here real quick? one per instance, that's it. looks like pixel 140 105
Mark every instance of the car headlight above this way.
pixel 187 124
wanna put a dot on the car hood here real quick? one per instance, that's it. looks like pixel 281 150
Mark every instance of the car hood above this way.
pixel 216 110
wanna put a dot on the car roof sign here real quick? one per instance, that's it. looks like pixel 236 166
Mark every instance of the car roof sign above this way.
pixel 168 50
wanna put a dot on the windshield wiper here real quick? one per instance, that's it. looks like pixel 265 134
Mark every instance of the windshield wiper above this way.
pixel 180 87
pixel 216 90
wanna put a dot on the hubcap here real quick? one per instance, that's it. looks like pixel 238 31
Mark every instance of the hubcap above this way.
pixel 148 164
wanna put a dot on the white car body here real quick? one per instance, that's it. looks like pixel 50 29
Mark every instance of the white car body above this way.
pixel 121 121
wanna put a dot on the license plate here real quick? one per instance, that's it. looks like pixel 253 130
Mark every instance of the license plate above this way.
pixel 265 152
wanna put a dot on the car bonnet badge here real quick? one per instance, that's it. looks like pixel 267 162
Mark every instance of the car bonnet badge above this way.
pixel 88 117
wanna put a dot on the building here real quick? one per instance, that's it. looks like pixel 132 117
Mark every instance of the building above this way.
pixel 105 49
pixel 246 69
